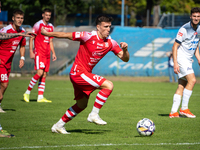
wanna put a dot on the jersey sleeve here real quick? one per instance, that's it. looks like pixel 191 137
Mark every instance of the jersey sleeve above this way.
pixel 36 28
pixel 115 49
pixel 81 36
pixel 181 35
pixel 3 30
pixel 23 42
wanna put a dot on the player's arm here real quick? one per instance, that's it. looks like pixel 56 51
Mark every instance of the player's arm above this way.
pixel 174 52
pixel 124 54
pixel 32 55
pixel 27 34
pixel 5 36
pixel 22 58
pixel 197 55
pixel 52 50
pixel 67 35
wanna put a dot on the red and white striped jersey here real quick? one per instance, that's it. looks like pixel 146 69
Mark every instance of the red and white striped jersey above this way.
pixel 92 49
pixel 41 42
pixel 8 47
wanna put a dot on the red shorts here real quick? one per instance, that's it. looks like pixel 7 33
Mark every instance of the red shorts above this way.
pixel 4 74
pixel 85 83
pixel 42 62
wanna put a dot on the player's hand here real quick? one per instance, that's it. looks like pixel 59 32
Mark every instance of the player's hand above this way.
pixel 27 34
pixel 43 31
pixel 54 58
pixel 124 46
pixel 21 63
pixel 176 68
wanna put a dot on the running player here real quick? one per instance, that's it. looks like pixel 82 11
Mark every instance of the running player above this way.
pixel 185 46
pixel 43 46
pixel 93 47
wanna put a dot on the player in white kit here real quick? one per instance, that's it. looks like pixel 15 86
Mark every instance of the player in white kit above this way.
pixel 184 48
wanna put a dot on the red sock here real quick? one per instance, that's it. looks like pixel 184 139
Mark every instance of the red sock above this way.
pixel 71 113
pixel 41 86
pixel 102 97
pixel 33 82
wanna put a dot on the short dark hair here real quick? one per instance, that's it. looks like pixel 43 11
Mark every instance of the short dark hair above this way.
pixel 18 12
pixel 103 18
pixel 195 10
pixel 46 10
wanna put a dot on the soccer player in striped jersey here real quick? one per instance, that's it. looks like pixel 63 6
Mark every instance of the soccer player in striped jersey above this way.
pixel 41 55
pixel 184 48
pixel 93 47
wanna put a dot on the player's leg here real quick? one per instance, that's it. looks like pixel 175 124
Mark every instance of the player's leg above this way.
pixel 39 66
pixel 32 83
pixel 4 133
pixel 4 80
pixel 3 87
pixel 72 112
pixel 187 92
pixel 41 83
pixel 101 98
pixel 41 88
pixel 177 98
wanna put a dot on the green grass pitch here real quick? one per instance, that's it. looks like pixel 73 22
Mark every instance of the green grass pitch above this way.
pixel 130 101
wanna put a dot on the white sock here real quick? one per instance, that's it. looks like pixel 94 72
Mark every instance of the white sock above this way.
pixel 94 111
pixel 28 92
pixel 60 123
pixel 40 96
pixel 176 103
pixel 186 97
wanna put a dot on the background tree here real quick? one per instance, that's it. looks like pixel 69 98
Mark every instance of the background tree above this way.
pixel 137 9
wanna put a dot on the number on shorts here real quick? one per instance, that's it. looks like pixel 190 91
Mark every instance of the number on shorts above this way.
pixel 42 65
pixel 4 77
pixel 98 78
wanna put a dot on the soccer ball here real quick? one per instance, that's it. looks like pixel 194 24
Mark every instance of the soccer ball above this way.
pixel 146 127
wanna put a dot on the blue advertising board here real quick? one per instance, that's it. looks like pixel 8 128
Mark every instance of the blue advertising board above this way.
pixel 4 16
pixel 147 48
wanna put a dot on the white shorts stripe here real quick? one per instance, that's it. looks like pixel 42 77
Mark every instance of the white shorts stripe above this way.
pixel 101 97
pixel 37 62
pixel 89 80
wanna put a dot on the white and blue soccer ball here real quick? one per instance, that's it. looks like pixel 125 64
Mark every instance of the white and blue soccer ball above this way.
pixel 146 127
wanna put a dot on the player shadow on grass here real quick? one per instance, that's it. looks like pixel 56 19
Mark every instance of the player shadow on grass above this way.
pixel 89 131
pixel 31 100
pixel 9 109
pixel 167 115
pixel 163 115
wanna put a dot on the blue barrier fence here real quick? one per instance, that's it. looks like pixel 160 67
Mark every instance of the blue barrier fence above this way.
pixel 147 48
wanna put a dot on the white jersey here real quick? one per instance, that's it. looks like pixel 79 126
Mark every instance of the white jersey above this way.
pixel 188 38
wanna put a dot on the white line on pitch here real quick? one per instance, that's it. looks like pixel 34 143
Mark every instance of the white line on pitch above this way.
pixel 93 145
